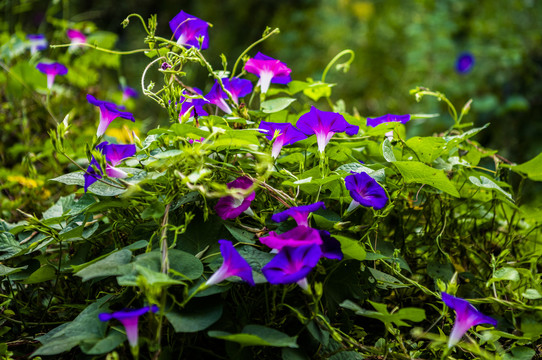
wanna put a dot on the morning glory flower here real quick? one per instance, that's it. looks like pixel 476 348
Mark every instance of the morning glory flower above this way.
pixel 128 92
pixel 331 247
pixel 76 37
pixel 365 191
pixel 114 154
pixel 108 112
pixel 237 88
pixel 129 318
pixel 230 207
pixel 269 71
pixel 233 265
pixel 298 236
pixel 292 264
pixel 324 124
pixel 299 213
pixel 52 70
pixel 466 317
pixel 187 29
pixel 284 134
pixel 373 122
pixel 464 63
pixel 37 42
pixel 195 104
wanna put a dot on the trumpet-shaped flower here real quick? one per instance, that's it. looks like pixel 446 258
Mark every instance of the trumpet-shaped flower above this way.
pixel 187 29
pixel 464 63
pixel 292 264
pixel 128 92
pixel 108 112
pixel 76 38
pixel 299 213
pixel 52 70
pixel 114 154
pixel 129 318
pixel 237 88
pixel 269 71
pixel 466 317
pixel 298 236
pixel 230 207
pixel 284 134
pixel 365 191
pixel 324 124
pixel 195 104
pixel 233 265
pixel 373 122
pixel 37 42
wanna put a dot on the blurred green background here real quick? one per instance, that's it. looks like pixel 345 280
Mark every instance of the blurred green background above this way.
pixel 398 45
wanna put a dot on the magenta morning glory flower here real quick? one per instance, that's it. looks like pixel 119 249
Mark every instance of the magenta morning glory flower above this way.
pixel 237 88
pixel 114 154
pixel 292 264
pixel 464 63
pixel 230 207
pixel 187 29
pixel 324 124
pixel 195 104
pixel 37 42
pixel 373 122
pixel 233 265
pixel 466 317
pixel 129 318
pixel 365 191
pixel 52 70
pixel 76 37
pixel 269 71
pixel 299 213
pixel 298 236
pixel 284 134
pixel 108 112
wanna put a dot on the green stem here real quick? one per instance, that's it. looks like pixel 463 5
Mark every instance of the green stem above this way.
pixel 102 49
pixel 265 37
pixel 346 64
pixel 127 21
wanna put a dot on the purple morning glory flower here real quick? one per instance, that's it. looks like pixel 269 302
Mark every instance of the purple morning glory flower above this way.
pixel 230 207
pixel 292 264
pixel 187 29
pixel 269 71
pixel 373 122
pixel 464 63
pixel 466 317
pixel 114 154
pixel 37 42
pixel 196 105
pixel 233 265
pixel 129 318
pixel 128 92
pixel 76 37
pixel 299 213
pixel 324 124
pixel 237 88
pixel 331 247
pixel 108 112
pixel 298 236
pixel 365 191
pixel 52 70
pixel 286 134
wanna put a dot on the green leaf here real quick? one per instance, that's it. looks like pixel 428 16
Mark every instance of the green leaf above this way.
pixel 427 149
pixel 111 265
pixel 382 314
pixel 505 273
pixel 387 151
pixel 532 168
pixel 532 294
pixel 196 316
pixel 99 188
pixel 257 335
pixel 9 246
pixel 484 182
pixel 317 90
pixel 44 273
pixel 520 353
pixel 105 345
pixel 236 139
pixel 352 249
pixel 378 175
pixel 6 270
pixel 416 172
pixel 386 281
pixel 275 105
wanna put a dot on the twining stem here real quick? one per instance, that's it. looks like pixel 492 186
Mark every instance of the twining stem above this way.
pixel 345 65
pixel 127 20
pixel 96 47
pixel 273 32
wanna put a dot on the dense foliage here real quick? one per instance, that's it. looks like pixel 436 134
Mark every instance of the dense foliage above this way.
pixel 149 226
